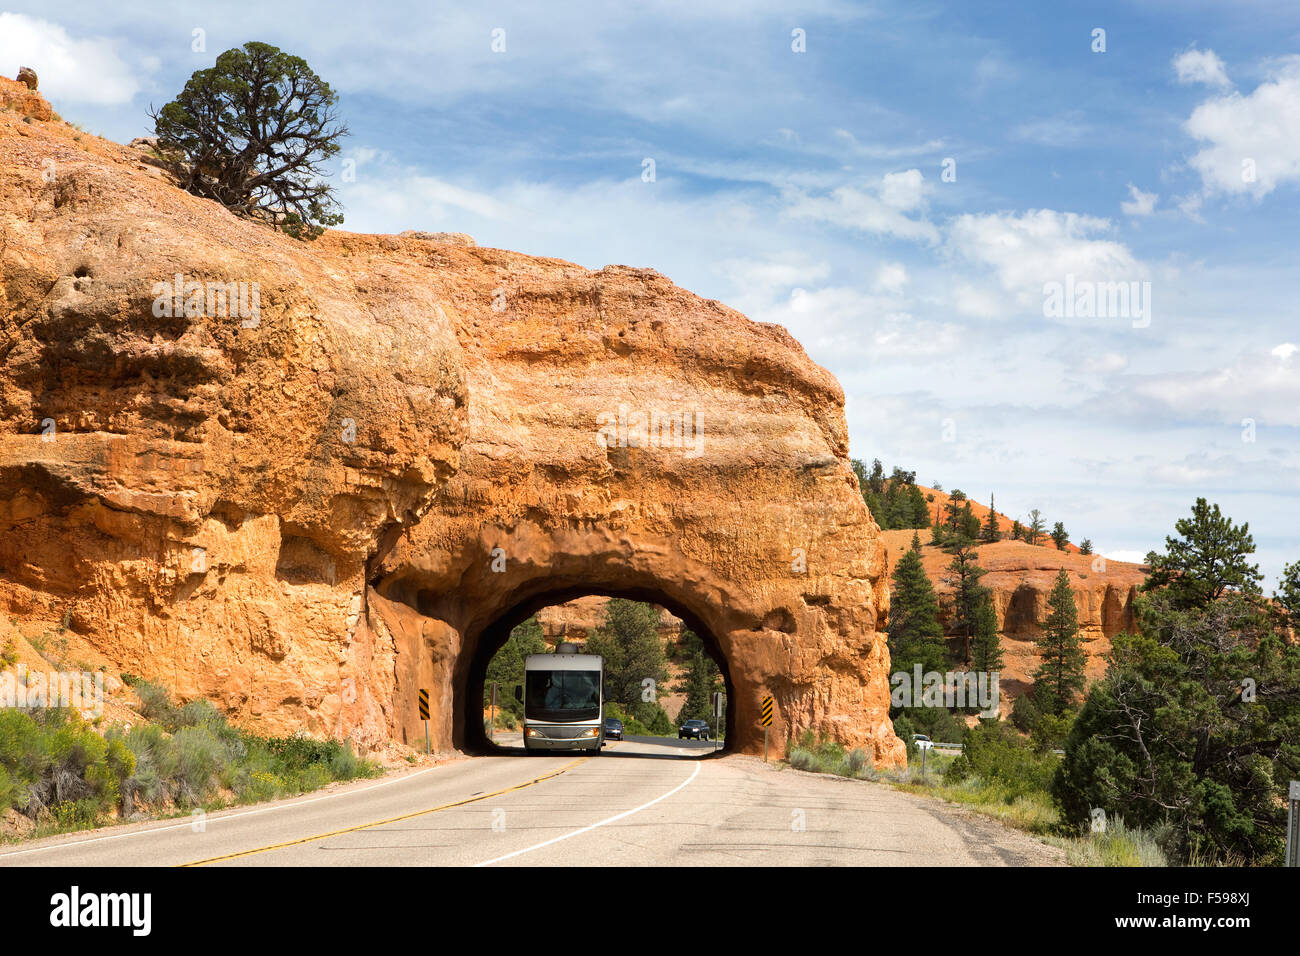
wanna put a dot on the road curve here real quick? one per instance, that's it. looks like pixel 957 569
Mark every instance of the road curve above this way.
pixel 643 802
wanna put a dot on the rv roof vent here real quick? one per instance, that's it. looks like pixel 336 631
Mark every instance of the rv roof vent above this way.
pixel 566 648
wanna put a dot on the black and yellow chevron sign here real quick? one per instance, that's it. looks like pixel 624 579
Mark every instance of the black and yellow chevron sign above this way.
pixel 766 713
pixel 424 704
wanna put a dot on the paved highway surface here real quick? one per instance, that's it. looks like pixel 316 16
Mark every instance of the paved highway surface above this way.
pixel 642 802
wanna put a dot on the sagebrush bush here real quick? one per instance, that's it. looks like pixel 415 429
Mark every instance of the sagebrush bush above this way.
pixel 55 767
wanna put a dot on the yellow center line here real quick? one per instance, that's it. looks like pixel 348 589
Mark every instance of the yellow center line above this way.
pixel 379 823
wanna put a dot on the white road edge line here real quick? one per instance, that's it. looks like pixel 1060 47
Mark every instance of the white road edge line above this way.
pixel 219 819
pixel 586 829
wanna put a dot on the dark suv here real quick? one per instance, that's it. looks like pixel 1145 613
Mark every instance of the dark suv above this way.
pixel 613 728
pixel 697 729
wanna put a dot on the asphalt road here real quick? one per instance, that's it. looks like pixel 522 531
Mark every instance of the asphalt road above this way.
pixel 642 802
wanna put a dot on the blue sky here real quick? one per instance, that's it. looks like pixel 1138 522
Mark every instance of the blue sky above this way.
pixel 806 188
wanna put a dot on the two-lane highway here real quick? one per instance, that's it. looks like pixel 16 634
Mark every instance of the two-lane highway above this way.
pixel 641 802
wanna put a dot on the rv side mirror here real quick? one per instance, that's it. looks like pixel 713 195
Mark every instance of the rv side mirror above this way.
pixel 519 693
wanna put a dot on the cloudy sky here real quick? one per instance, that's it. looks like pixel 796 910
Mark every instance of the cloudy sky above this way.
pixel 904 185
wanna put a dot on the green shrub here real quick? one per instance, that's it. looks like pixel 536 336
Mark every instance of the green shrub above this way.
pixel 995 754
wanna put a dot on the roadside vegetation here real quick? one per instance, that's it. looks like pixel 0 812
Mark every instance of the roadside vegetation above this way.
pixel 1179 754
pixel 61 774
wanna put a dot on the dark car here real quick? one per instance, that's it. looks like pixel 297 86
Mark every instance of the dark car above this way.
pixel 697 729
pixel 613 728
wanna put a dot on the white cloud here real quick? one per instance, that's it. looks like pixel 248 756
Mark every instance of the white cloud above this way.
pixel 767 275
pixel 85 70
pixel 1201 66
pixel 1259 386
pixel 1252 141
pixel 891 278
pixel 1105 364
pixel 1141 204
pixel 880 208
pixel 1042 245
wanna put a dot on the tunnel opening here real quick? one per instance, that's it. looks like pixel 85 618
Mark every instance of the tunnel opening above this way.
pixel 580 616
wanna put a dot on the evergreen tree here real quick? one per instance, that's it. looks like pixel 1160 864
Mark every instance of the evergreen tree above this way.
pixel 251 133
pixel 506 668
pixel 970 525
pixel 919 516
pixel 1207 559
pixel 1017 530
pixel 986 646
pixel 963 576
pixel 1059 536
pixel 1059 677
pixel 1034 533
pixel 991 531
pixel 1085 546
pixel 629 643
pixel 699 682
pixel 952 512
pixel 1288 595
pixel 915 635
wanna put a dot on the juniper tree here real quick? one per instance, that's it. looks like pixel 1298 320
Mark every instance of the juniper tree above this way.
pixel 251 132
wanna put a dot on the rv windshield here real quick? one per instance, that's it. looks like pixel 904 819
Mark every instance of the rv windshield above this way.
pixel 562 695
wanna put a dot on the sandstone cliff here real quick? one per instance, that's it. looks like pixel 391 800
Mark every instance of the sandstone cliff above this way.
pixel 351 485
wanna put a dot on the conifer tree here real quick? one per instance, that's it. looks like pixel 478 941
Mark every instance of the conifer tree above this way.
pixel 1060 677
pixel 1060 537
pixel 963 576
pixel 986 646
pixel 915 635
pixel 1034 533
pixel 991 531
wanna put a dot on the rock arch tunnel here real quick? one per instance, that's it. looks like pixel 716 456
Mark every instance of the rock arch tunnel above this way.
pixel 306 519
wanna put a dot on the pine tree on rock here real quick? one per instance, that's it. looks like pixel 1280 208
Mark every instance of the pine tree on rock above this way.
pixel 1060 537
pixel 991 531
pixel 1037 527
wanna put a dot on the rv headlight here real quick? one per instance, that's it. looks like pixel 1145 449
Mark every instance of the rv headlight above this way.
pixel 590 732
pixel 533 732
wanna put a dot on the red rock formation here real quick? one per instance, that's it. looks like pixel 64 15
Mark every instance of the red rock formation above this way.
pixel 1021 577
pixel 309 512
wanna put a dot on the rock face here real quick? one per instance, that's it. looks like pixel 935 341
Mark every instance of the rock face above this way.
pixel 307 479
pixel 27 76
pixel 1021 577
pixel 576 619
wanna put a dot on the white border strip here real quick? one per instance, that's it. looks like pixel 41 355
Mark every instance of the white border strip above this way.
pixel 586 829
